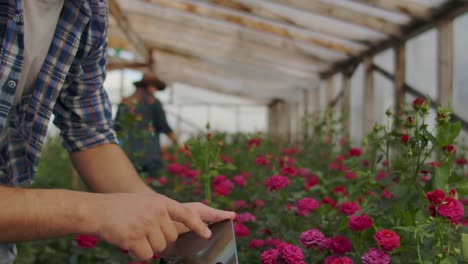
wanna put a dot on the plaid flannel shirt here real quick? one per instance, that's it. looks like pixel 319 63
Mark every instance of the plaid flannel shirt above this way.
pixel 69 85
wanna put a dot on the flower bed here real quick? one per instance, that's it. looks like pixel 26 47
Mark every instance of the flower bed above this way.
pixel 396 199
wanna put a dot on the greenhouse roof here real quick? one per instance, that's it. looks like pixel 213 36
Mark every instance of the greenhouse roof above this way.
pixel 264 49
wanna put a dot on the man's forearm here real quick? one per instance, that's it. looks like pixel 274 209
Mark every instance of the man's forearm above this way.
pixel 106 169
pixel 41 214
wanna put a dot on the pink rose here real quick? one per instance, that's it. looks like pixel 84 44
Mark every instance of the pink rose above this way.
pixel 349 208
pixel 224 188
pixel 286 161
pixel 435 197
pixel 239 204
pixel 342 260
pixel 340 245
pixel 313 239
pixel 241 230
pixel 340 190
pixel 306 206
pixel 277 182
pixel 258 203
pixel 256 243
pixel 261 160
pixel 359 223
pixel 288 171
pixel 273 241
pixel 387 240
pixel 375 256
pixel 270 256
pixel 452 209
pixel 350 175
pixel 245 218
pixel 290 254
pixel 240 180
pixel 290 151
pixel 311 182
pixel 86 241
pixel 162 181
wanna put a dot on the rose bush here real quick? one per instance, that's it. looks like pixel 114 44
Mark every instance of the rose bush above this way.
pixel 397 198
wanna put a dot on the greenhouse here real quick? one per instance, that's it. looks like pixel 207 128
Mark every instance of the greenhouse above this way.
pixel 334 129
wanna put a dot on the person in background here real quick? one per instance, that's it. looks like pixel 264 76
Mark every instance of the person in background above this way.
pixel 52 62
pixel 142 141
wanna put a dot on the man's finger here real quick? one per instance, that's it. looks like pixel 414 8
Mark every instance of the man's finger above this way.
pixel 209 214
pixel 142 250
pixel 181 213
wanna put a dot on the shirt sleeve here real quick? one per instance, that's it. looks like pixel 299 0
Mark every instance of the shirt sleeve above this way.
pixel 83 110
pixel 160 119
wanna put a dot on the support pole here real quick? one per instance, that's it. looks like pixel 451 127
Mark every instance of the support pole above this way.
pixel 400 79
pixel 346 106
pixel 368 100
pixel 445 62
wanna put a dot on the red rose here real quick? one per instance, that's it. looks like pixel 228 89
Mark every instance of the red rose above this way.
pixel 405 138
pixel 435 197
pixel 359 223
pixel 329 201
pixel 452 209
pixel 277 182
pixel 355 152
pixel 253 143
pixel 450 149
pixel 387 240
pixel 306 206
pixel 340 245
pixel 241 230
pixel 419 103
pixel 349 208
pixel 258 203
pixel 86 241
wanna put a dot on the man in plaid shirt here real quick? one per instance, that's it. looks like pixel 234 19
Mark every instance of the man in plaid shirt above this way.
pixel 52 61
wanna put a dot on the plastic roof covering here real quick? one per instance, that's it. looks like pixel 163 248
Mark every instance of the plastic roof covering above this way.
pixel 260 49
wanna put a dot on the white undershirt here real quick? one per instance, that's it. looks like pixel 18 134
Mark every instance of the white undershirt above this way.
pixel 40 20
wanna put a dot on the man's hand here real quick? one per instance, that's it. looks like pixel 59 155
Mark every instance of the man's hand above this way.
pixel 146 223
pixel 207 215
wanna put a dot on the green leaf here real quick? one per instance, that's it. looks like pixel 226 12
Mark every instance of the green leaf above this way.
pixel 462 188
pixel 441 177
pixel 410 229
pixel 447 133
pixel 449 260
pixel 431 137
pixel 464 238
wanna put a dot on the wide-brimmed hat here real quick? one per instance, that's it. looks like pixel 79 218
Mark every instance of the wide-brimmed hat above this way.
pixel 151 79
